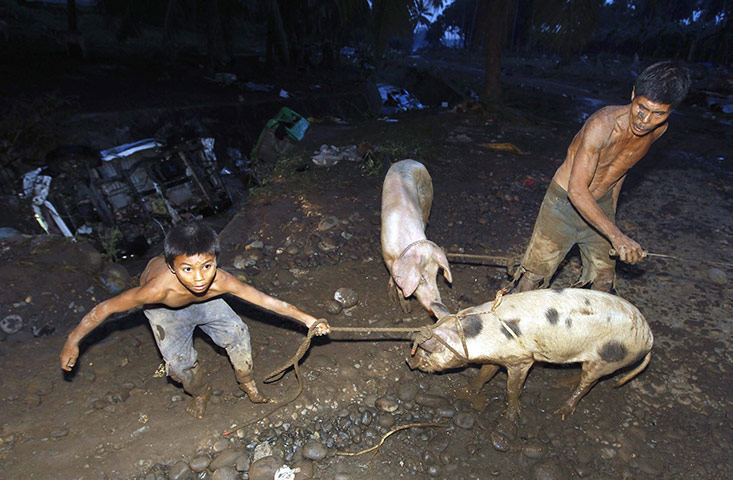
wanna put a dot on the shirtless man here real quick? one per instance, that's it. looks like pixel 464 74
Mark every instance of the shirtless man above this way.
pixel 580 203
pixel 180 291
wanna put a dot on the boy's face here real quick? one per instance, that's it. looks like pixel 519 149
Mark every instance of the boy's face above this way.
pixel 195 272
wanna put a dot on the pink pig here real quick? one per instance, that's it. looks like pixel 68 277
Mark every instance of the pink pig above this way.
pixel 412 259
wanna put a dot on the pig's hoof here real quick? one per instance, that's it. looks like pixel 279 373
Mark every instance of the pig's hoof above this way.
pixel 564 411
pixel 511 414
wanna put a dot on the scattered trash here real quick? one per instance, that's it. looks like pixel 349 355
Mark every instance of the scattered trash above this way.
pixel 223 78
pixel 396 99
pixel 504 147
pixel 138 188
pixel 285 473
pixel 36 187
pixel 279 134
pixel 7 232
pixel 160 371
pixel 12 324
pixel 716 101
pixel 329 155
pixel 127 149
pixel 284 94
pixel 387 119
pixel 528 182
pixel 256 87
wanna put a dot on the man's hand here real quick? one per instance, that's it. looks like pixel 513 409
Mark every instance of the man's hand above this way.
pixel 323 328
pixel 628 250
pixel 69 354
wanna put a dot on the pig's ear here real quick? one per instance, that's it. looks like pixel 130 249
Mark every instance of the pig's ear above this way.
pixel 443 263
pixel 439 310
pixel 406 275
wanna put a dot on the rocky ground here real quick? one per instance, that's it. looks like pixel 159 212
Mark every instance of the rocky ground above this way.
pixel 312 231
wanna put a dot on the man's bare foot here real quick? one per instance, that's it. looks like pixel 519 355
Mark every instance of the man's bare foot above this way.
pixel 197 407
pixel 250 388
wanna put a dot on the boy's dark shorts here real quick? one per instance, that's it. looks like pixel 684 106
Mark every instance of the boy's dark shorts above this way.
pixel 558 227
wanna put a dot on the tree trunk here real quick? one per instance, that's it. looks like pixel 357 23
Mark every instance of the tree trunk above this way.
pixel 277 37
pixel 498 13
pixel 74 41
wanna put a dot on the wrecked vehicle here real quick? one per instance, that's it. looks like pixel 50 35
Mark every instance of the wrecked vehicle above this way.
pixel 126 197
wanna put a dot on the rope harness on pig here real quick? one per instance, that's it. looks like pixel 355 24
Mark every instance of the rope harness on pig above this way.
pixel 417 242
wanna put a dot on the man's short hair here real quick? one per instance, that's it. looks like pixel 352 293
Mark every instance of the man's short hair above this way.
pixel 663 82
pixel 190 238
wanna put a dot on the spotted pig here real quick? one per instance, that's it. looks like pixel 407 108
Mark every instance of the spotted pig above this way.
pixel 602 331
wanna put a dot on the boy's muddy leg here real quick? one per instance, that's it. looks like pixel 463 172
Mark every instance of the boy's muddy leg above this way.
pixel 196 385
pixel 248 386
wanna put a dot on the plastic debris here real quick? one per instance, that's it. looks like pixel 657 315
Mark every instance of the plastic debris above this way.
pixel 36 186
pixel 286 473
pixel 127 149
pixel 257 87
pixel 279 133
pixel 396 99
pixel 504 147
pixel 329 155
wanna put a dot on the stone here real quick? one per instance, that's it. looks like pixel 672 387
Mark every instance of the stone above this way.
pixel 387 404
pixel 181 471
pixel 534 450
pixel 265 468
pixel 327 223
pixel 464 420
pixel 199 463
pixel 306 470
pixel 226 458
pixel 333 307
pixel 346 297
pixel 500 442
pixel 314 450
pixel 225 473
pixel 115 278
pixel 221 444
pixel 407 392
pixel 386 420
pixel 432 401
pixel 549 469
pixel 717 276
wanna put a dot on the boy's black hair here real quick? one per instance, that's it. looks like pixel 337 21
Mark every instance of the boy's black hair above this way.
pixel 190 238
pixel 663 82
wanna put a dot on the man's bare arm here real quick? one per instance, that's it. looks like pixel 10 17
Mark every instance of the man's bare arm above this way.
pixel 125 301
pixel 251 295
pixel 585 164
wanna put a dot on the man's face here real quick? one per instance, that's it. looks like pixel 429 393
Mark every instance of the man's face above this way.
pixel 195 272
pixel 647 115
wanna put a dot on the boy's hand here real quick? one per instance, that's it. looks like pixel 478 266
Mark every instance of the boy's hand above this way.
pixel 323 328
pixel 69 354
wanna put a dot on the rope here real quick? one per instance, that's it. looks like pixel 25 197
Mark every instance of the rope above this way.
pixel 614 253
pixel 425 333
pixel 417 242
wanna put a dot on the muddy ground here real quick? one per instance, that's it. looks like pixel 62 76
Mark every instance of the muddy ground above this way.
pixel 311 231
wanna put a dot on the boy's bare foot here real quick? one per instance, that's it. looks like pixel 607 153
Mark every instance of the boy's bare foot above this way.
pixel 250 388
pixel 197 407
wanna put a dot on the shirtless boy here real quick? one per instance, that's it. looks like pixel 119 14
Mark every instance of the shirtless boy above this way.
pixel 580 203
pixel 180 291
